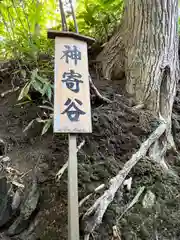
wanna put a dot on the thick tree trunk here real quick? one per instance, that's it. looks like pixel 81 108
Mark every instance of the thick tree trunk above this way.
pixel 151 52
pixel 146 49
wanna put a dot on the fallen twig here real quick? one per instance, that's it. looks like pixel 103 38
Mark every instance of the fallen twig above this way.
pixel 88 196
pixel 29 125
pixel 17 184
pixel 86 237
pixel 116 233
pixel 4 237
pixel 13 171
pixel 61 171
pixel 97 93
pixel 93 217
pixel 9 91
pixel 64 167
pixel 133 202
pixel 80 145
pixel 137 107
pixel 156 235
pixel 26 173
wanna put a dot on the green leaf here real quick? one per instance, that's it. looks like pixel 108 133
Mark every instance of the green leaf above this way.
pixel 28 97
pixel 23 73
pixel 37 85
pixel 43 80
pixel 49 93
pixel 47 125
pixel 34 74
pixel 44 90
pixel 24 91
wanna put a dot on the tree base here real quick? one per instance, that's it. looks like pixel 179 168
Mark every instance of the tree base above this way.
pixel 93 216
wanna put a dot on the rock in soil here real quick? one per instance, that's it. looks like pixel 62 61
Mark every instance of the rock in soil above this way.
pixel 149 199
pixel 26 210
pixel 5 202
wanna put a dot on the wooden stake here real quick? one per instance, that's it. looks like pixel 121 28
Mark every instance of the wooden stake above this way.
pixel 73 211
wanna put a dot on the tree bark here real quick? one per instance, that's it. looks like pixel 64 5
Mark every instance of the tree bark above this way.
pixel 146 49
pixel 112 57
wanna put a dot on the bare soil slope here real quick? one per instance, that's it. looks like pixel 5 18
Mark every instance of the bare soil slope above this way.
pixel 118 131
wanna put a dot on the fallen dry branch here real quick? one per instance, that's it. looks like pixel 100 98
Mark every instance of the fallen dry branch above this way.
pixel 133 202
pixel 80 145
pixel 61 171
pixel 89 195
pixel 93 217
pixel 10 91
pixel 65 166
pixel 126 183
pixel 97 93
pixel 137 107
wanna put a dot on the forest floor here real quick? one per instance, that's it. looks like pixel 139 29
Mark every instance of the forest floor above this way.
pixel 118 131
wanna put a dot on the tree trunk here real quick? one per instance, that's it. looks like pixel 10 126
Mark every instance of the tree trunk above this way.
pixel 146 49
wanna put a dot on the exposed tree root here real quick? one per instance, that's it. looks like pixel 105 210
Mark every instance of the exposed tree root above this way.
pixel 93 217
pixel 127 183
pixel 96 92
pixel 133 202
pixel 159 148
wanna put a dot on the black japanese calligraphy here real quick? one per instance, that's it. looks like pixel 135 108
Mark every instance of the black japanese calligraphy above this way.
pixel 72 111
pixel 71 53
pixel 72 80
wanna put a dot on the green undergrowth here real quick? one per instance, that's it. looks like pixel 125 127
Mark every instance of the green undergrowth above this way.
pixel 23 38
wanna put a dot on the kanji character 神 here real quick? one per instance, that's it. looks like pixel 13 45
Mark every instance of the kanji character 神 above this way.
pixel 72 111
pixel 72 53
pixel 72 80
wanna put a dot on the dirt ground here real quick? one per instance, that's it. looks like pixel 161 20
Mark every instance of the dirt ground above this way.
pixel 117 134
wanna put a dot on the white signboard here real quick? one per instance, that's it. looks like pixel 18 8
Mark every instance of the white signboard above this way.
pixel 72 110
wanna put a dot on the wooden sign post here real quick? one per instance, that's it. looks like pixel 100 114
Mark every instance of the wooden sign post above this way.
pixel 72 110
